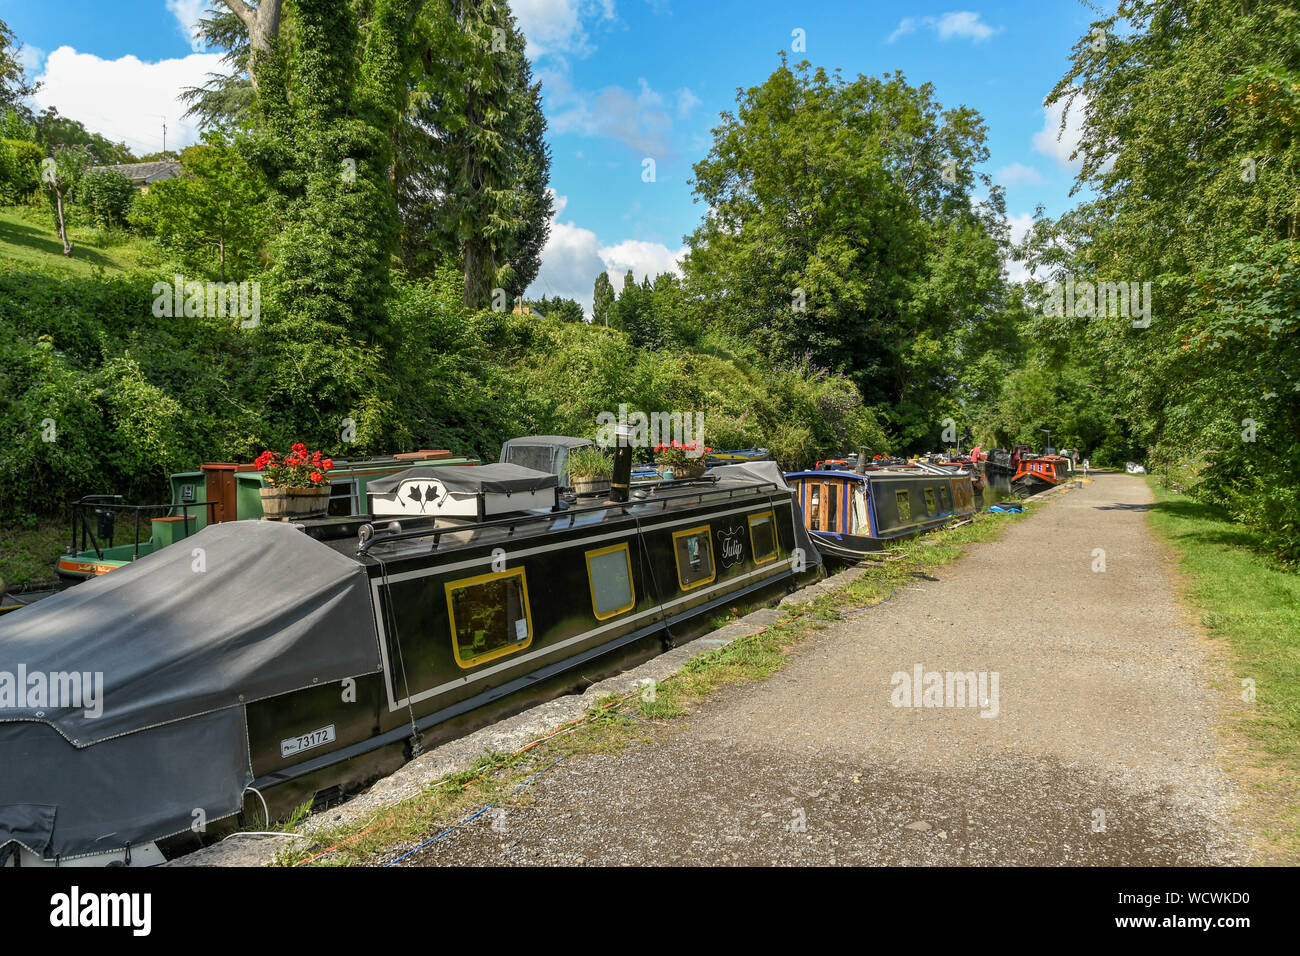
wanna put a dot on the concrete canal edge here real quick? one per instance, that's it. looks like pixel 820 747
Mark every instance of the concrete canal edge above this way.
pixel 506 736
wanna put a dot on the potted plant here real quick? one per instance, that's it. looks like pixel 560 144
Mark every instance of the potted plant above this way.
pixel 681 459
pixel 590 470
pixel 297 484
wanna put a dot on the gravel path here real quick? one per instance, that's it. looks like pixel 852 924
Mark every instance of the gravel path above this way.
pixel 1101 751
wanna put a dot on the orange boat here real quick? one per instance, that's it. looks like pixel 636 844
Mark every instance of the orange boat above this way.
pixel 1037 473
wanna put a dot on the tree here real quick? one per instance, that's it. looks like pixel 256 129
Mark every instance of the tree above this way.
pixel 841 225
pixel 1189 145
pixel 602 300
pixel 14 87
pixel 54 131
pixel 213 216
pixel 61 173
pixel 473 162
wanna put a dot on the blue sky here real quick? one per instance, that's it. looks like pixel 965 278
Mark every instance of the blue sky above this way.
pixel 626 80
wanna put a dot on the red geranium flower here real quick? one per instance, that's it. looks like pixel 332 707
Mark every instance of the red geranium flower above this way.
pixel 316 477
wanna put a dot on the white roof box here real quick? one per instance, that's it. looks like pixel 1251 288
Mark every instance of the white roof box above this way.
pixel 462 491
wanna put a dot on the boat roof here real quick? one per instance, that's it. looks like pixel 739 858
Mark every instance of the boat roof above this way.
pixel 501 478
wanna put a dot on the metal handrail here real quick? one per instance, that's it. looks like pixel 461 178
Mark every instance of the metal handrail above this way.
pixel 387 537
pixel 78 509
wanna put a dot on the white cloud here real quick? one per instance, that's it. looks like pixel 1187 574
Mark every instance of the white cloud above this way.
pixel 637 119
pixel 574 256
pixel 125 100
pixel 643 258
pixel 1059 144
pixel 1020 225
pixel 30 57
pixel 959 24
pixel 686 101
pixel 1017 174
pixel 556 27
pixel 187 14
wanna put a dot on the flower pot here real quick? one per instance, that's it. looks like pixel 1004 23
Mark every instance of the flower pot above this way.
pixel 590 485
pixel 278 503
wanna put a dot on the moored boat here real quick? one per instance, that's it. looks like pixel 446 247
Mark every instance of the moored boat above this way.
pixel 217 492
pixel 295 661
pixel 1040 472
pixel 852 513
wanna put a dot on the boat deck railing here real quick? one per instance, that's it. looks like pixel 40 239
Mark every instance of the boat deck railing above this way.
pixel 83 507
pixel 512 522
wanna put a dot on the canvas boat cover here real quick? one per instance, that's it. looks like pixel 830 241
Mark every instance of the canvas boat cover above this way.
pixel 770 471
pixel 181 640
pixel 549 453
pixel 498 479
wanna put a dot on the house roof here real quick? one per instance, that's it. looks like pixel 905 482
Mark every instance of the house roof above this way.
pixel 143 173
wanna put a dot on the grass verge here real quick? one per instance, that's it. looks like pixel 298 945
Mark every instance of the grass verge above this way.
pixel 28 554
pixel 1250 605
pixel 500 780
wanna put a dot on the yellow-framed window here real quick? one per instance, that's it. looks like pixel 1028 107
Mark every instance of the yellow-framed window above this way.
pixel 489 616
pixel 762 537
pixel 904 506
pixel 693 552
pixel 609 577
pixel 930 506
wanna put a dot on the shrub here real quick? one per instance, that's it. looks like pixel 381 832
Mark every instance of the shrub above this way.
pixel 106 196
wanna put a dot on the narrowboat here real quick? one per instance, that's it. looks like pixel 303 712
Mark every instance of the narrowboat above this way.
pixel 287 662
pixel 852 513
pixel 736 456
pixel 1040 472
pixel 217 492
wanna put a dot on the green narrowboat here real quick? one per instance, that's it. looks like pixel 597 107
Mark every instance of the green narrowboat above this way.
pixel 217 492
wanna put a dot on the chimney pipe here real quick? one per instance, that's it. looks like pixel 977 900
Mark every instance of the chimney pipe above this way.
pixel 620 482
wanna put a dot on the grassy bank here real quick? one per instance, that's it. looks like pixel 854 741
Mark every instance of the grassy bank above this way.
pixel 28 241
pixel 28 553
pixel 1250 605
pixel 501 780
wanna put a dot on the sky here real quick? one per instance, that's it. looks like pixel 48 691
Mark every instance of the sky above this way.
pixel 626 81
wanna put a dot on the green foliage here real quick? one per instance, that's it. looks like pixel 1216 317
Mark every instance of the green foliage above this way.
pixel 1191 119
pixel 214 217
pixel 106 197
pixel 473 162
pixel 841 224
pixel 55 132
pixel 590 462
pixel 20 162
pixel 565 310
pixel 602 299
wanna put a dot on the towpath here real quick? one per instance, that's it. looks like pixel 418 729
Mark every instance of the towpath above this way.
pixel 1102 750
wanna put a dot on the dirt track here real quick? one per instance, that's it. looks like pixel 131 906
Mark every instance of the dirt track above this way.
pixel 1102 749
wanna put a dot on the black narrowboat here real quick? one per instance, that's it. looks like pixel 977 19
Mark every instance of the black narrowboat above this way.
pixel 849 514
pixel 263 660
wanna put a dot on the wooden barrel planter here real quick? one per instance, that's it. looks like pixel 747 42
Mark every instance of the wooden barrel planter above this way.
pixel 279 503
pixel 691 468
pixel 588 485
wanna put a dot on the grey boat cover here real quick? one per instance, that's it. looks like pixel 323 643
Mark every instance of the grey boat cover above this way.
pixel 770 471
pixel 498 479
pixel 181 640
pixel 548 453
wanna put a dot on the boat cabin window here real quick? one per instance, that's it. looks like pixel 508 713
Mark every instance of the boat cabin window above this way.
pixel 945 497
pixel 609 575
pixel 814 506
pixel 904 507
pixel 762 536
pixel 343 498
pixel 930 507
pixel 693 550
pixel 832 511
pixel 489 616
